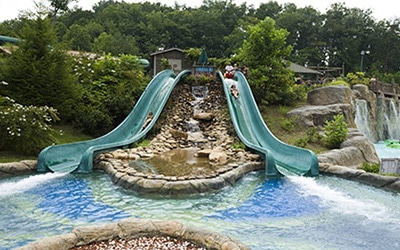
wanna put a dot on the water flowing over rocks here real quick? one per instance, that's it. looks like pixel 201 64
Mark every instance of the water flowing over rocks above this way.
pixel 170 133
pixel 323 104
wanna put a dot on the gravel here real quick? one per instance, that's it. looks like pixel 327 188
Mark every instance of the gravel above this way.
pixel 142 243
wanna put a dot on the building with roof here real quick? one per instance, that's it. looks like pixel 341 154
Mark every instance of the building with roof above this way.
pixel 176 58
pixel 298 69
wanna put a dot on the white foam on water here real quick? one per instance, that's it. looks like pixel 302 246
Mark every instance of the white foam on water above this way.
pixel 344 203
pixel 13 187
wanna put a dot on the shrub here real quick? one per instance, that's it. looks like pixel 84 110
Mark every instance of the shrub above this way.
pixel 25 129
pixel 239 146
pixel 92 121
pixel 142 143
pixel 301 142
pixel 335 131
pixel 357 78
pixel 288 125
pixel 110 86
pixel 370 168
pixel 200 79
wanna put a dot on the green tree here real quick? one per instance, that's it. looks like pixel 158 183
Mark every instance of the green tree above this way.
pixel 304 25
pixel 38 73
pixel 270 9
pixel 264 52
pixel 111 87
pixel 345 33
pixel 78 38
pixel 104 43
pixel 59 6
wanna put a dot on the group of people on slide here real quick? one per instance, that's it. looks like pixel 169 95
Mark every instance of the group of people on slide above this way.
pixel 231 70
pixel 230 73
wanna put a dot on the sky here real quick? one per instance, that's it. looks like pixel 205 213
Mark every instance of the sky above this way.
pixel 383 9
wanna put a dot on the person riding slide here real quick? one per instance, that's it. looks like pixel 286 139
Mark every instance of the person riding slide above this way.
pixel 229 72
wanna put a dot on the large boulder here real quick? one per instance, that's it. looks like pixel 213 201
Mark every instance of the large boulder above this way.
pixel 17 168
pixel 316 116
pixel 323 104
pixel 330 95
pixel 353 152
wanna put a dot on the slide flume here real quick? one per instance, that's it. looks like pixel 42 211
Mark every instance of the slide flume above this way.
pixel 280 158
pixel 78 157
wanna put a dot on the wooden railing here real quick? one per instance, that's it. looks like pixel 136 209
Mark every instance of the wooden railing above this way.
pixel 387 89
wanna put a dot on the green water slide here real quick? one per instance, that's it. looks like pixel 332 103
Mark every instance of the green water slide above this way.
pixel 78 157
pixel 280 158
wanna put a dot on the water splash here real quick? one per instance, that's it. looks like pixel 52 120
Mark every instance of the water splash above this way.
pixel 17 186
pixel 339 201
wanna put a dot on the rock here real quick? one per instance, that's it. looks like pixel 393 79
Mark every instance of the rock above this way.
pixel 204 152
pixel 204 116
pixel 17 168
pixel 218 157
pixel 132 228
pixel 179 134
pixel 358 140
pixel 336 94
pixel 316 116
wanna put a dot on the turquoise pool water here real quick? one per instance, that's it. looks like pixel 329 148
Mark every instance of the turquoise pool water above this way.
pixel 386 152
pixel 288 213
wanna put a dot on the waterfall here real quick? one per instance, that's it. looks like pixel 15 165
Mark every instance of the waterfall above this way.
pixel 384 124
pixel 193 128
pixel 361 118
pixel 392 119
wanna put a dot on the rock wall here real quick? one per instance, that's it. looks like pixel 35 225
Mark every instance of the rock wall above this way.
pixel 136 228
pixel 11 169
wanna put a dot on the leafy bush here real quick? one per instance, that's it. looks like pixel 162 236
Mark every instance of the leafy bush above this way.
pixel 199 79
pixel 142 143
pixel 357 78
pixel 92 121
pixel 239 145
pixel 301 142
pixel 338 82
pixel 335 131
pixel 288 125
pixel 370 168
pixel 25 129
pixel 110 88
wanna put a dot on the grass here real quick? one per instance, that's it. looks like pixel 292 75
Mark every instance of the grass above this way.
pixel 288 131
pixel 68 135
pixel 7 156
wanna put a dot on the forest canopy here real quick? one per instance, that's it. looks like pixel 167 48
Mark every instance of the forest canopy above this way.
pixel 336 38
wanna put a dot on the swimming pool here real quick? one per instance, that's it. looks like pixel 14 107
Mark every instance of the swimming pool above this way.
pixel 288 213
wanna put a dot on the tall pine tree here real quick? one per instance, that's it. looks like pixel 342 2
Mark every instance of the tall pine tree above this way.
pixel 38 73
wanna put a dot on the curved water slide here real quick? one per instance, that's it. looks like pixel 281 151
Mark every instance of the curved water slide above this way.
pixel 280 158
pixel 78 157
